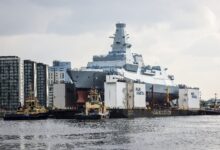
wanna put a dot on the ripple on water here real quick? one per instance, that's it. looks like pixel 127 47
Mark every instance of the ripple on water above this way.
pixel 195 132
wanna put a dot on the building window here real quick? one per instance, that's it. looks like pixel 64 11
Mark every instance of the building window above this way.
pixel 62 75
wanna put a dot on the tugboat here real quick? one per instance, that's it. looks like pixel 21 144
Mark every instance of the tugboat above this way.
pixel 31 110
pixel 94 107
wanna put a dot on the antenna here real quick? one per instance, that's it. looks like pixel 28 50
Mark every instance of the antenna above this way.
pixel 215 101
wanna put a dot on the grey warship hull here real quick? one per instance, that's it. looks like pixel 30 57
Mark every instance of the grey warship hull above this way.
pixel 85 80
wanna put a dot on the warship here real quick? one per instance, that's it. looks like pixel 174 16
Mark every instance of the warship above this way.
pixel 122 61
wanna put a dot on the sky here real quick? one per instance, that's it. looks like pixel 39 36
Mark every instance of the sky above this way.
pixel 182 35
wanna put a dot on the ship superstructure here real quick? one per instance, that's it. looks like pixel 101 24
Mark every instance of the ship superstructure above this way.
pixel 119 56
pixel 123 62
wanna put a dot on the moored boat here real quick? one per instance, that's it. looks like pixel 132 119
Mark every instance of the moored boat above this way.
pixel 16 116
pixel 31 110
pixel 94 108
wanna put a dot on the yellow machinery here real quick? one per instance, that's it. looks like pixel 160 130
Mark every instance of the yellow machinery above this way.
pixel 94 103
pixel 32 106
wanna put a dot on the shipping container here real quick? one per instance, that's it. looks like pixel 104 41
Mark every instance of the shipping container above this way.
pixel 139 95
pixel 189 98
pixel 125 95
pixel 115 95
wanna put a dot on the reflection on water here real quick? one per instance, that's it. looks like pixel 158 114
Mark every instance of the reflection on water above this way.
pixel 195 132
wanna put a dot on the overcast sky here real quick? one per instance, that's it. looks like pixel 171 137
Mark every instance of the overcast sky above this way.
pixel 182 35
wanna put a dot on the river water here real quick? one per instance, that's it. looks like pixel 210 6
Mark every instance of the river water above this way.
pixel 184 133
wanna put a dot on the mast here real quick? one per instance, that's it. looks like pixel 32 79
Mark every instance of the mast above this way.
pixel 215 101
pixel 120 39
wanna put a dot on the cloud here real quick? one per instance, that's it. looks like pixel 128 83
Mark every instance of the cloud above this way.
pixel 48 47
pixel 200 17
pixel 73 17
pixel 23 17
pixel 181 35
pixel 205 47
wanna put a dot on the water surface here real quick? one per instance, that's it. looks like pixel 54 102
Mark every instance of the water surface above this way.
pixel 191 132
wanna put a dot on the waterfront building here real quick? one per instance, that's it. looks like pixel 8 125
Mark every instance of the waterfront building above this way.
pixel 36 81
pixel 64 96
pixel 58 74
pixel 11 82
pixel 42 84
pixel 30 78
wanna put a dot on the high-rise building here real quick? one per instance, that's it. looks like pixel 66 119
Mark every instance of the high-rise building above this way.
pixel 42 84
pixel 30 78
pixel 36 81
pixel 58 74
pixel 11 82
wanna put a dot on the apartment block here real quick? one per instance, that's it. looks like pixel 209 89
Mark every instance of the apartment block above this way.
pixel 11 82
